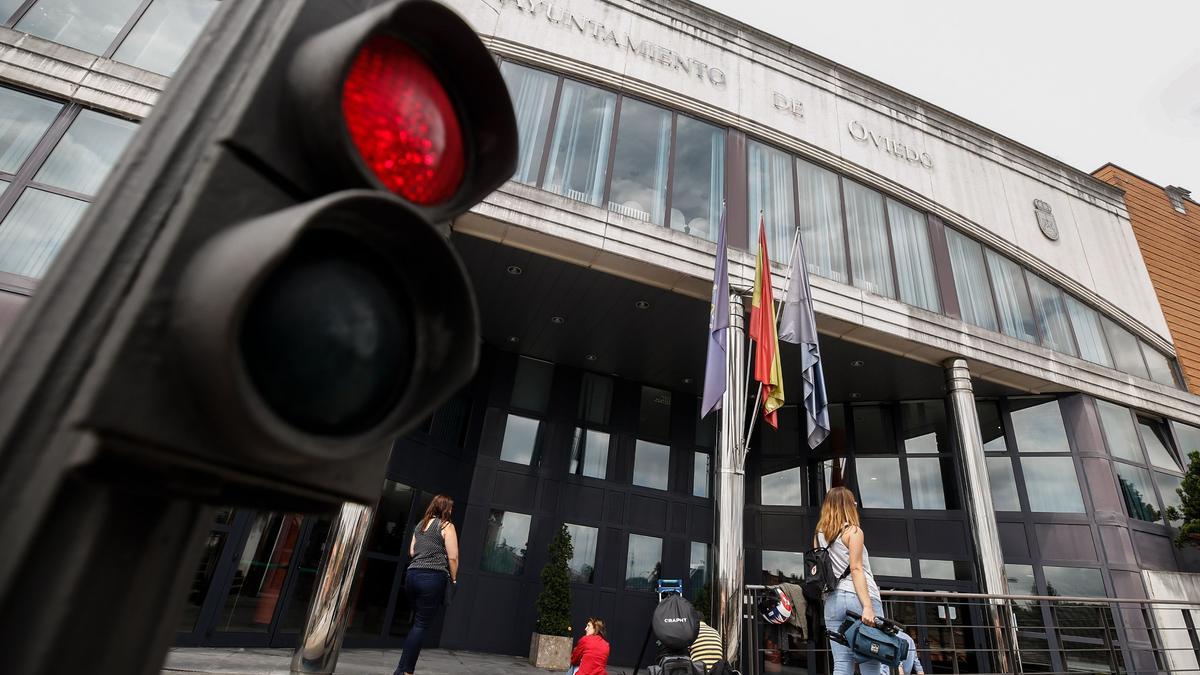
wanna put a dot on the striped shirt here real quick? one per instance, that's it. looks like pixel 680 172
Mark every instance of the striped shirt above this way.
pixel 707 647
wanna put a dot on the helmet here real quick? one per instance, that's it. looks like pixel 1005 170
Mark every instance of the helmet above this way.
pixel 776 607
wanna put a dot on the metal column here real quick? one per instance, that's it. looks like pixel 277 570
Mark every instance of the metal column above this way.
pixel 731 486
pixel 977 494
pixel 329 611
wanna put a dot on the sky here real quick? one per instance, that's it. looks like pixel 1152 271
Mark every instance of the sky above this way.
pixel 1083 82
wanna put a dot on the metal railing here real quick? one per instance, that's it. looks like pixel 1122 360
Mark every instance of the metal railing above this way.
pixel 954 634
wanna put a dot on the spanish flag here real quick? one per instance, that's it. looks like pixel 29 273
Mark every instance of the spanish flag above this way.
pixel 762 330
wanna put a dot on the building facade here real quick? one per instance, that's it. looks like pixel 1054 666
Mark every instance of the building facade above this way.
pixel 928 238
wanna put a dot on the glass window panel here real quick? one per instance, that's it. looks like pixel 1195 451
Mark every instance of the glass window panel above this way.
pixel 783 566
pixel 202 581
pixel 259 573
pixel 82 159
pixel 1022 582
pixel 873 431
pixel 654 413
pixel 595 398
pixel 1188 437
pixel 879 482
pixel 643 564
pixel 701 473
pixel 1052 485
pixel 971 281
pixel 7 7
pixel 1159 365
pixel 821 224
pixel 783 488
pixel 771 192
pixel 520 440
pixel 164 34
pixel 532 94
pixel 370 602
pixel 1119 431
pixel 914 257
pixel 1124 349
pixel 89 25
pixel 924 426
pixel 639 179
pixel 308 562
pixel 1038 426
pixel 531 386
pixel 35 229
pixel 698 566
pixel 1051 312
pixel 1089 334
pixel 991 426
pixel 579 151
pixel 589 455
pixel 1012 298
pixel 504 542
pixel 949 570
pixel 698 183
pixel 1154 435
pixel 3 187
pixel 583 556
pixel 891 567
pixel 1074 581
pixel 1167 486
pixel 706 431
pixel 1003 484
pixel 390 520
pixel 929 481
pixel 23 121
pixel 651 465
pixel 870 257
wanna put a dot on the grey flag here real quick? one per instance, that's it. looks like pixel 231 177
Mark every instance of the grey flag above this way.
pixel 798 326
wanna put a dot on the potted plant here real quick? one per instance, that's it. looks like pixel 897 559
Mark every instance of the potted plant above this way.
pixel 550 647
pixel 1189 506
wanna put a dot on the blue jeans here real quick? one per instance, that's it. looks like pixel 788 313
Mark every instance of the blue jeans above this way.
pixel 837 604
pixel 426 590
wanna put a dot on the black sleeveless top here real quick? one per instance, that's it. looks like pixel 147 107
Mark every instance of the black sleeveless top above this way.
pixel 429 551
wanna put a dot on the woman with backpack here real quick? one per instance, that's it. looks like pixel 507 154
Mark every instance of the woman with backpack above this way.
pixel 856 591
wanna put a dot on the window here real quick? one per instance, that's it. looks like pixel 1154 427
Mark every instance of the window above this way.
pixel 1154 436
pixel 639 179
pixel 924 426
pixel 990 426
pixel 1137 492
pixel 504 543
pixel 23 121
pixel 698 181
pixel 595 398
pixel 927 480
pixel 1003 484
pixel 1176 196
pixel 1038 426
pixel 531 386
pixel 870 257
pixel 1012 298
pixel 701 473
pixel 879 484
pixel 164 34
pixel 1088 332
pixel 388 526
pixel 1051 312
pixel 589 454
pixel 971 281
pixel 1125 350
pixel 873 431
pixel 654 413
pixel 782 488
pixel 698 566
pixel 821 225
pixel 782 566
pixel 1167 486
pixel 88 25
pixel 771 193
pixel 578 162
pixel 882 566
pixel 583 557
pixel 651 464
pixel 520 440
pixel 1159 366
pixel 532 93
pixel 643 563
pixel 1188 437
pixel 1117 423
pixel 914 257
pixel 1052 485
pixel 948 570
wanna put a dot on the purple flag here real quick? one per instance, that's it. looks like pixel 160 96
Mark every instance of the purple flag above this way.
pixel 718 327
pixel 798 325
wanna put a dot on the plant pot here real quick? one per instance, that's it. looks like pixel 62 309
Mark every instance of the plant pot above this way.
pixel 550 652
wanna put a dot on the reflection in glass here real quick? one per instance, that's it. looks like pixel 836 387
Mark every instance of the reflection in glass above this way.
pixel 259 573
pixel 1124 348
pixel 583 557
pixel 88 25
pixel 164 34
pixel 1188 437
pixel 308 562
pixel 771 193
pixel 531 386
pixel 1051 312
pixel 991 427
pixel 1117 423
pixel 1003 484
pixel 7 7
pixel 783 488
pixel 1012 299
pixel 595 398
pixel 891 567
pixel 589 453
pixel 639 172
pixel 520 440
pixel 783 566
pixel 1039 427
pixel 949 570
pixel 821 225
pixel 532 94
pixel 870 258
pixel 1159 365
pixel 1074 581
pixel 23 120
pixel 873 430
pixel 643 563
pixel 82 159
pixel 371 597
pixel 914 257
pixel 698 583
pixel 701 473
pixel 971 281
pixel 1137 492
pixel 929 481
pixel 1022 582
pixel 924 426
pixel 1168 486
pixel 1158 447
pixel 654 413
pixel 390 519
pixel 504 543
pixel 202 581
pixel 35 229
pixel 1089 334
pixel 698 183
pixel 579 151
pixel 651 464
pixel 1052 485
pixel 879 482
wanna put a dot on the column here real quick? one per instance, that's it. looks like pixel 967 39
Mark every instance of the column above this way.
pixel 730 490
pixel 977 495
pixel 329 610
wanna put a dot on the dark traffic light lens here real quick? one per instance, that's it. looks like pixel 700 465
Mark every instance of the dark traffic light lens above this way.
pixel 327 341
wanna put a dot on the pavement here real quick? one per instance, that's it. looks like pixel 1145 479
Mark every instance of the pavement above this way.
pixel 252 661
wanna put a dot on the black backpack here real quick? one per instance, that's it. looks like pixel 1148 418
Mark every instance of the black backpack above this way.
pixel 675 623
pixel 676 664
pixel 819 579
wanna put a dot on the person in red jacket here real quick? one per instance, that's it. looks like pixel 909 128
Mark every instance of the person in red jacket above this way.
pixel 590 656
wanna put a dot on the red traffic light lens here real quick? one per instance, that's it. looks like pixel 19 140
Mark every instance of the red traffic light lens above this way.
pixel 402 122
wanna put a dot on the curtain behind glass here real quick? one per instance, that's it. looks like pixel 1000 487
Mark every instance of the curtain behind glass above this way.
pixel 914 257
pixel 579 152
pixel 1086 322
pixel 971 281
pixel 698 183
pixel 639 180
pixel 870 257
pixel 821 221
pixel 1124 348
pixel 1012 299
pixel 23 120
pixel 1051 312
pixel 1160 366
pixel 771 184
pixel 82 159
pixel 532 94
pixel 35 229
